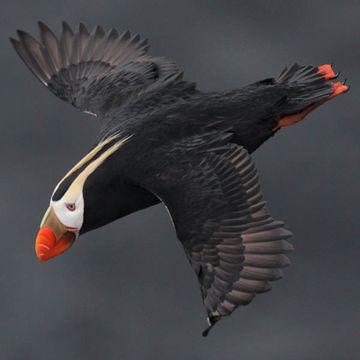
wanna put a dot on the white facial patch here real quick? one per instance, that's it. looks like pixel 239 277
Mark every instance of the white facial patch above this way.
pixel 70 211
pixel 70 208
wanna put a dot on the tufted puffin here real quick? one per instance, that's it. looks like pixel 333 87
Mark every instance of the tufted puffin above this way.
pixel 163 140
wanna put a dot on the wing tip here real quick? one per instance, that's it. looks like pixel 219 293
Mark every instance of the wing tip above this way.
pixel 22 34
pixel 41 24
pixel 212 320
pixel 66 28
pixel 14 41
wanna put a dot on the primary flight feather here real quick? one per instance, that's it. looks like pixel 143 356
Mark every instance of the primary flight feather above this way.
pixel 161 139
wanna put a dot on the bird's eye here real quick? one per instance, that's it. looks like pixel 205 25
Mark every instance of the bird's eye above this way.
pixel 70 207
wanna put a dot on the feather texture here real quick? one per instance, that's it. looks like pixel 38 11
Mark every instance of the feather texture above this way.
pixel 95 70
pixel 233 244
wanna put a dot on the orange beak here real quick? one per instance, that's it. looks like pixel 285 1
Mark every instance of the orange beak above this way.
pixel 53 237
pixel 47 246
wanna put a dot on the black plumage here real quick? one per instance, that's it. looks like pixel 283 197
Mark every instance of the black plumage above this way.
pixel 187 148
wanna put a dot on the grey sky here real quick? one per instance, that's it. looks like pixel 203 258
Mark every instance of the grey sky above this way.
pixel 126 291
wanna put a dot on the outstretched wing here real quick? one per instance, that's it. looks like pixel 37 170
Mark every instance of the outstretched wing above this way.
pixel 95 71
pixel 231 241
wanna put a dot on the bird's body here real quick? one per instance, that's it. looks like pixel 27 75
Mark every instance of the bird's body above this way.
pixel 161 139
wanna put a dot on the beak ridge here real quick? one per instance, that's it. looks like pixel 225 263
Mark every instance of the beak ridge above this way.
pixel 53 237
pixel 45 241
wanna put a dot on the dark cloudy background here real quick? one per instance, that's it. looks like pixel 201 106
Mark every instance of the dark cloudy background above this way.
pixel 126 291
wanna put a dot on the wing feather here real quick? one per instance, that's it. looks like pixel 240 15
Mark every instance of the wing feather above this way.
pixel 234 246
pixel 96 71
pixel 66 42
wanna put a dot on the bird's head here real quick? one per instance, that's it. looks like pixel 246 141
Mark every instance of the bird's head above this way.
pixel 73 203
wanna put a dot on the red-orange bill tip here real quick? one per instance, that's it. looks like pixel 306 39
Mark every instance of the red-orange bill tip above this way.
pixel 47 246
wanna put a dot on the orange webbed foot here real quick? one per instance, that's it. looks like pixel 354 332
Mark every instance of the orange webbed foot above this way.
pixel 339 88
pixel 326 71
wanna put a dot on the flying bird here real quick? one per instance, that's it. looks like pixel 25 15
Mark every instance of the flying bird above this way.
pixel 163 140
